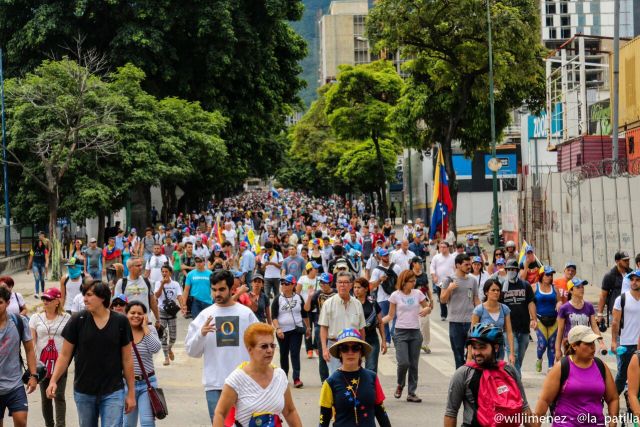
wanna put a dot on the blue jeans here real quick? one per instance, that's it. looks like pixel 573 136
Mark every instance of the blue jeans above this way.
pixel 520 342
pixel 38 274
pixel 323 369
pixel 384 306
pixel 212 401
pixel 95 273
pixel 197 306
pixel 143 405
pixel 623 363
pixel 371 362
pixel 107 407
pixel 458 337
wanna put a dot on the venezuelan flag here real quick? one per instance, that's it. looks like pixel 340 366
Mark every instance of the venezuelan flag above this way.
pixel 441 205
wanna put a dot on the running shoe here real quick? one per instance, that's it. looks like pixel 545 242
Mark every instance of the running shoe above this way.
pixel 310 354
pixel 426 349
pixel 539 365
pixel 413 398
pixel 166 361
pixel 297 383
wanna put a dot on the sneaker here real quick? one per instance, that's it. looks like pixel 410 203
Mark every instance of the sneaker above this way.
pixel 539 365
pixel 413 398
pixel 297 383
pixel 166 361
pixel 310 354
pixel 171 355
pixel 36 296
pixel 443 319
pixel 398 392
pixel 426 349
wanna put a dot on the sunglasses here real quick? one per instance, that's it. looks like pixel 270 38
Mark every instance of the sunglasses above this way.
pixel 499 254
pixel 272 346
pixel 548 274
pixel 118 304
pixel 350 348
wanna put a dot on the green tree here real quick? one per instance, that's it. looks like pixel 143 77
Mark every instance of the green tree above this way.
pixel 356 164
pixel 57 114
pixel 358 106
pixel 239 57
pixel 447 88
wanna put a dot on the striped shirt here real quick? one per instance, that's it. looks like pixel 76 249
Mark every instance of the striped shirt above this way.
pixel 147 347
pixel 253 399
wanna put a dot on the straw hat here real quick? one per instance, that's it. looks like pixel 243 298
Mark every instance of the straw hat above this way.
pixel 349 335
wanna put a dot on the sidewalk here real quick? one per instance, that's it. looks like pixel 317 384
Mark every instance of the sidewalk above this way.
pixel 25 285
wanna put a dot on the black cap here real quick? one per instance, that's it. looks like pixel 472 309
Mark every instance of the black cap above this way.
pixel 512 263
pixel 621 255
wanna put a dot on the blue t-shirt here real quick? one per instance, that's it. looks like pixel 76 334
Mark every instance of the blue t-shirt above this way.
pixel 200 285
pixel 485 317
pixel 293 266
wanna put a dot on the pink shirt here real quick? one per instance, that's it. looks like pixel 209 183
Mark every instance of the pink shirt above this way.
pixel 407 308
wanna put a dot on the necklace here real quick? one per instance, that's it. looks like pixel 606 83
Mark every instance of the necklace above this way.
pixel 349 385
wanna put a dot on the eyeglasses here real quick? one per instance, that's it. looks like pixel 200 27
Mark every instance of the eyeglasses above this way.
pixel 286 283
pixel 265 346
pixel 350 348
pixel 118 304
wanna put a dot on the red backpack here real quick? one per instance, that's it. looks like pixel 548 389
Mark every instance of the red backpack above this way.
pixel 496 392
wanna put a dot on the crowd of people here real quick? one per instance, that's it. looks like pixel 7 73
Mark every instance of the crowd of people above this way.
pixel 260 272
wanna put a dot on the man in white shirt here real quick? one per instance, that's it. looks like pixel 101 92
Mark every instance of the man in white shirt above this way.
pixel 272 263
pixel 402 256
pixel 153 269
pixel 217 334
pixel 187 237
pixel 230 234
pixel 407 230
pixel 200 249
pixel 442 266
pixel 626 325
pixel 379 275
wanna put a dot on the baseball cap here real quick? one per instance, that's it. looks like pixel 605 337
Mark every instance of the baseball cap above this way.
pixel 582 333
pixel 476 259
pixel 237 274
pixel 570 264
pixel 198 259
pixel 92 240
pixel 341 264
pixel 409 222
pixel 184 230
pixel 528 249
pixel 325 278
pixel 289 278
pixel 121 297
pixel 469 236
pixel 217 248
pixel 392 232
pixel 621 255
pixel 312 264
pixel 512 263
pixel 576 282
pixel 633 273
pixel 257 276
pixel 548 269
pixel 243 244
pixel 133 230
pixel 383 252
pixel 501 261
pixel 51 293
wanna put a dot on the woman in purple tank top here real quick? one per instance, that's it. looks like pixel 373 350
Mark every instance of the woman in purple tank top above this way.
pixel 578 402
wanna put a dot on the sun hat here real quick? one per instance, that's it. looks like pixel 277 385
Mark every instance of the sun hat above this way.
pixel 349 335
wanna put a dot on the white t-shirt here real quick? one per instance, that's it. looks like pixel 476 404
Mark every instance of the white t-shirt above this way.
pixel 73 289
pixel 402 259
pixel 631 331
pixel 15 302
pixel 376 274
pixel 191 239
pixel 154 265
pixel 270 271
pixel 306 283
pixel 230 235
pixel 442 266
pixel 172 289
pixel 45 328
pixel 223 349
pixel 77 304
pixel 252 398
pixel 407 308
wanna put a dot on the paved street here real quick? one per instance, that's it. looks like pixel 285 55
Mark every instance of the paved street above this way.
pixel 182 384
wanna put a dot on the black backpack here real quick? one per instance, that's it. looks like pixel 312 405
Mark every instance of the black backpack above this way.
pixel 389 285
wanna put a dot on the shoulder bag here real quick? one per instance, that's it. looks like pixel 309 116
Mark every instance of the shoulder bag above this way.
pixel 156 395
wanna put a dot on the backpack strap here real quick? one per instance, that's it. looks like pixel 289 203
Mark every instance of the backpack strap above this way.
pixel 622 301
pixel 17 320
pixel 123 286
pixel 148 283
pixel 600 364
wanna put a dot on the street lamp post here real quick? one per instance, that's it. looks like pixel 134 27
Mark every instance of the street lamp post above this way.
pixel 494 173
pixel 7 213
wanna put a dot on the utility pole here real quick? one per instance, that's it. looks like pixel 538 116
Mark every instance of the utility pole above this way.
pixel 616 84
pixel 7 212
pixel 494 173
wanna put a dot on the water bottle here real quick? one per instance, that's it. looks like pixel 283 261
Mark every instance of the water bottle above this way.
pixel 620 350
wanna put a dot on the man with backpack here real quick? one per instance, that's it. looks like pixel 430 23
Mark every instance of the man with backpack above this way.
pixel 490 390
pixel 14 330
pixel 383 278
pixel 136 287
pixel 460 293
pixel 626 326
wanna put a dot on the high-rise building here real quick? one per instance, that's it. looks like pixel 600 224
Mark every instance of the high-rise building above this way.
pixel 342 37
pixel 562 19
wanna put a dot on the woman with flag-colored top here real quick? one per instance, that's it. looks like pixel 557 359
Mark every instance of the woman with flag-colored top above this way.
pixel 352 395
pixel 547 301
pixel 46 330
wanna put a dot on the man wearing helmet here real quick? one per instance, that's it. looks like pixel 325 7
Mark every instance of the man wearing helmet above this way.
pixel 510 250
pixel 484 339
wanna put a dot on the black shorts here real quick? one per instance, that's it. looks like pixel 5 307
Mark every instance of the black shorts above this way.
pixel 15 401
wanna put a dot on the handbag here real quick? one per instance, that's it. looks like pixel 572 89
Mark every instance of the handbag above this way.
pixel 299 329
pixel 156 395
pixel 169 306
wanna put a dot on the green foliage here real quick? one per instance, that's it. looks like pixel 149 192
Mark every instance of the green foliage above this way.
pixel 239 57
pixel 357 163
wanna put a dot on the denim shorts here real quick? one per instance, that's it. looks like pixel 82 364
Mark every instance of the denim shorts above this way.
pixel 15 401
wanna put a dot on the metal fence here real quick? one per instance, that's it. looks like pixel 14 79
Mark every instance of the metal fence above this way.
pixel 22 238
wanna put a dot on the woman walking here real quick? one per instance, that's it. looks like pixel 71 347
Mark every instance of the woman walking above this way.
pixel 407 305
pixel 477 271
pixel 547 300
pixel 145 344
pixel 46 330
pixel 373 323
pixel 166 290
pixel 422 284
pixel 77 252
pixel 257 390
pixel 492 311
pixel 291 323
pixel 352 396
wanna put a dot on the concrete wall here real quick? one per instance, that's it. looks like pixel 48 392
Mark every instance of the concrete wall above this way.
pixel 349 7
pixel 337 45
pixel 588 223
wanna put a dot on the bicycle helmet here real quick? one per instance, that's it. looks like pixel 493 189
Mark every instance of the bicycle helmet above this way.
pixel 510 244
pixel 487 333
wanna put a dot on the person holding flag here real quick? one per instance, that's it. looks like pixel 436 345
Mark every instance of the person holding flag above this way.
pixel 531 268
pixel 442 205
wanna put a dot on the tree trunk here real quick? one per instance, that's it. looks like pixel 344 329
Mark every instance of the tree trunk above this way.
pixel 55 255
pixel 382 182
pixel 101 226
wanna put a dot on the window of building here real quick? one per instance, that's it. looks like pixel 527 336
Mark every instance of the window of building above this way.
pixel 551 9
pixel 565 33
pixel 549 20
pixel 553 34
pixel 564 21
pixel 564 8
pixel 358 25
